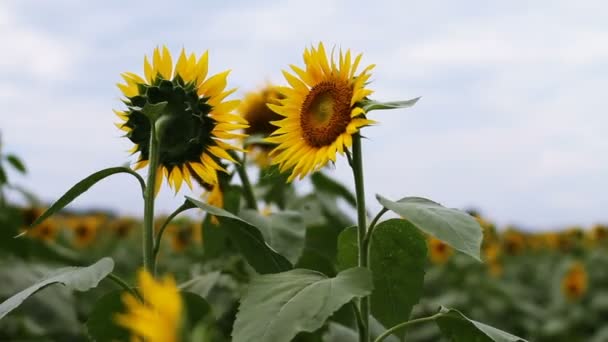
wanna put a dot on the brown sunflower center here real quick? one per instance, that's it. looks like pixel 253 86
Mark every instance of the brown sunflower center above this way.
pixel 325 113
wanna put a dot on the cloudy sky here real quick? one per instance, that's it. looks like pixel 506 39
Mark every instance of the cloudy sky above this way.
pixel 512 118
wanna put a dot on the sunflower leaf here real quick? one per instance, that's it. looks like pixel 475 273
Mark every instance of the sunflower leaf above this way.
pixel 77 278
pixel 458 328
pixel 458 229
pixel 369 105
pixel 249 240
pixel 16 163
pixel 84 185
pixel 278 306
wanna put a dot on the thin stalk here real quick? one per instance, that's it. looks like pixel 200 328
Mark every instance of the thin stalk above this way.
pixel 370 229
pixel 118 281
pixel 148 235
pixel 241 168
pixel 405 324
pixel 357 166
pixel 360 325
pixel 187 205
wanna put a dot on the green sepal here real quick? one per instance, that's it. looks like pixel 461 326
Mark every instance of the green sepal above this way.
pixel 154 111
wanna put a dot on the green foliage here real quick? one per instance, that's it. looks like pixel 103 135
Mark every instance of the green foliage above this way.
pixel 276 307
pixel 77 278
pixel 457 228
pixel 369 105
pixel 459 328
pixel 101 326
pixel 248 240
pixel 284 231
pixel 398 257
pixel 84 185
pixel 16 163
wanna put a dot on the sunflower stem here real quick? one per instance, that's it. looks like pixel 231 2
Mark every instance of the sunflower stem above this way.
pixel 149 195
pixel 241 168
pixel 357 166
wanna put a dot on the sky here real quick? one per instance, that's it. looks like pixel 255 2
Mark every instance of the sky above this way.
pixel 512 118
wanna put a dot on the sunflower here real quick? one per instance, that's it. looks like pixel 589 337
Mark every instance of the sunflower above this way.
pixel 45 231
pixel 195 123
pixel 159 317
pixel 122 226
pixel 513 241
pixel 85 230
pixel 574 283
pixel 321 111
pixel 440 252
pixel 254 109
pixel 181 237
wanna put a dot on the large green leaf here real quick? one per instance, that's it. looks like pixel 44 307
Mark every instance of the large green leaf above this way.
pixel 248 240
pixel 101 326
pixel 397 258
pixel 16 163
pixel 458 229
pixel 202 284
pixel 83 186
pixel 284 231
pixel 77 278
pixel 276 307
pixel 458 328
pixel 348 251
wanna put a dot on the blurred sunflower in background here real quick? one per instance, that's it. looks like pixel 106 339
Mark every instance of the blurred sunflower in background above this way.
pixel 45 231
pixel 158 318
pixel 439 251
pixel 122 226
pixel 513 241
pixel 254 108
pixel 195 123
pixel 84 229
pixel 321 111
pixel 181 237
pixel 575 282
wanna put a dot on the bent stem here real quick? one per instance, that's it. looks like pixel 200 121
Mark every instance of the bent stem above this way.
pixel 123 284
pixel 148 234
pixel 241 168
pixel 357 166
pixel 405 324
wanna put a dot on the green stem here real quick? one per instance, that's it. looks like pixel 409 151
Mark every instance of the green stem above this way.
pixel 360 325
pixel 357 166
pixel 118 281
pixel 370 229
pixel 241 168
pixel 148 234
pixel 187 205
pixel 405 324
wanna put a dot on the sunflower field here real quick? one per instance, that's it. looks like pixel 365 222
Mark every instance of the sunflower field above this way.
pixel 249 256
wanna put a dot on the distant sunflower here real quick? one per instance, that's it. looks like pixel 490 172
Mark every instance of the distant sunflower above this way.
pixel 440 252
pixel 123 226
pixel 45 231
pixel 321 111
pixel 159 317
pixel 195 123
pixel 84 230
pixel 254 108
pixel 181 237
pixel 575 282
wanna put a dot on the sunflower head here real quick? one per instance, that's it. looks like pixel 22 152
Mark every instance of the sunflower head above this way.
pixel 440 252
pixel 186 111
pixel 181 237
pixel 574 283
pixel 513 242
pixel 158 318
pixel 122 227
pixel 84 230
pixel 45 231
pixel 254 109
pixel 321 111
